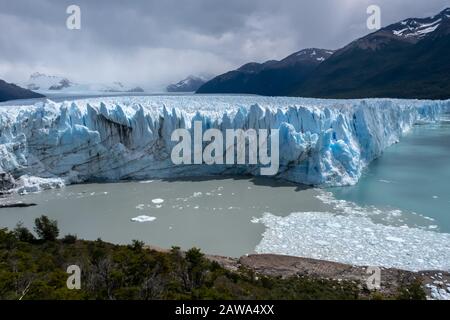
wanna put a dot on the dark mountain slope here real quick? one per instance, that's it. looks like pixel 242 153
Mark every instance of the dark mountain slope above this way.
pixel 269 78
pixel 409 59
pixel 9 91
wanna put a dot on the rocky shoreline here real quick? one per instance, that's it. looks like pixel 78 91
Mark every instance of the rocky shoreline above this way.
pixel 435 283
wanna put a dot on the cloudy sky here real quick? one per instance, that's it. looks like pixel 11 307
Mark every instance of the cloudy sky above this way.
pixel 154 42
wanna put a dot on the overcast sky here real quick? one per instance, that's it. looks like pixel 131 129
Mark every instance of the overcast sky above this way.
pixel 154 42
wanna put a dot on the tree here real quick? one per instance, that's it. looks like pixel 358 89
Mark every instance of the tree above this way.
pixel 23 234
pixel 196 267
pixel 46 229
pixel 137 245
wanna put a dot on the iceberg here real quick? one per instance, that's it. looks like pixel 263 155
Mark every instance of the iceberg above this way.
pixel 143 218
pixel 322 142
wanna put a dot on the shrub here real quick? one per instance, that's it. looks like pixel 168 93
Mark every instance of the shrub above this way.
pixel 69 239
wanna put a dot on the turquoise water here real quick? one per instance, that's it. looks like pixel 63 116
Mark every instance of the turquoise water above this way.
pixel 413 176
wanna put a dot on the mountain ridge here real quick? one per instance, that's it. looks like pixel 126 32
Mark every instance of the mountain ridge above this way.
pixel 272 77
pixel 407 59
pixel 10 91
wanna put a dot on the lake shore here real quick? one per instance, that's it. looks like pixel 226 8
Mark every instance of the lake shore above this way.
pixel 435 283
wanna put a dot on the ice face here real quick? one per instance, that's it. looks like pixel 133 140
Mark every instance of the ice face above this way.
pixel 322 142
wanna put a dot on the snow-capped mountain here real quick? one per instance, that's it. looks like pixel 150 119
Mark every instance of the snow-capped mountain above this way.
pixel 41 82
pixel 410 31
pixel 416 29
pixel 190 84
pixel 408 59
pixel 269 78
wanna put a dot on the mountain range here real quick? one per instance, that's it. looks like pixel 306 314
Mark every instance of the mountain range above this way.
pixel 9 91
pixel 408 59
pixel 42 82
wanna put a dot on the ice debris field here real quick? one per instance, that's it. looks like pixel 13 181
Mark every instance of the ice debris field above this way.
pixel 350 235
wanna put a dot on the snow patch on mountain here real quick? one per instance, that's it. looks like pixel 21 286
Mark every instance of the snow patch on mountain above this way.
pixel 189 84
pixel 418 28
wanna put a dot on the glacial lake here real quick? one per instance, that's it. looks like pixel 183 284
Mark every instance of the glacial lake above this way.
pixel 214 215
pixel 413 175
pixel 407 186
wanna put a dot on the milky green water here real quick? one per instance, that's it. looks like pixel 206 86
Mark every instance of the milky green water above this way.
pixel 413 175
pixel 214 215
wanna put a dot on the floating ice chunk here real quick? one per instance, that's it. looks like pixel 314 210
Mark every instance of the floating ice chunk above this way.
pixel 140 206
pixel 146 181
pixel 158 201
pixel 143 218
pixel 255 220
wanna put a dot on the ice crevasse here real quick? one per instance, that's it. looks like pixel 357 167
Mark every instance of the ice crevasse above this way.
pixel 322 142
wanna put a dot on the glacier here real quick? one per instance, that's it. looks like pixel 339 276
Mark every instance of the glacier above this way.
pixel 322 142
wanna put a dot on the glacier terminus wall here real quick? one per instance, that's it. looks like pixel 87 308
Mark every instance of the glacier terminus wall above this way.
pixel 322 142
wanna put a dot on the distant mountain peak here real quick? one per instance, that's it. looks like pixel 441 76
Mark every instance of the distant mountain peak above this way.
pixel 189 84
pixel 418 28
pixel 411 30
pixel 312 54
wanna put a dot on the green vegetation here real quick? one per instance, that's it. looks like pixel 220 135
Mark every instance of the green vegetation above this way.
pixel 33 268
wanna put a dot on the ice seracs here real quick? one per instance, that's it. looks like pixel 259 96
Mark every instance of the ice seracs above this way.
pixel 322 142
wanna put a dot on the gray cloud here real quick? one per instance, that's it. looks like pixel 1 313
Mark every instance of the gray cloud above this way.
pixel 153 42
